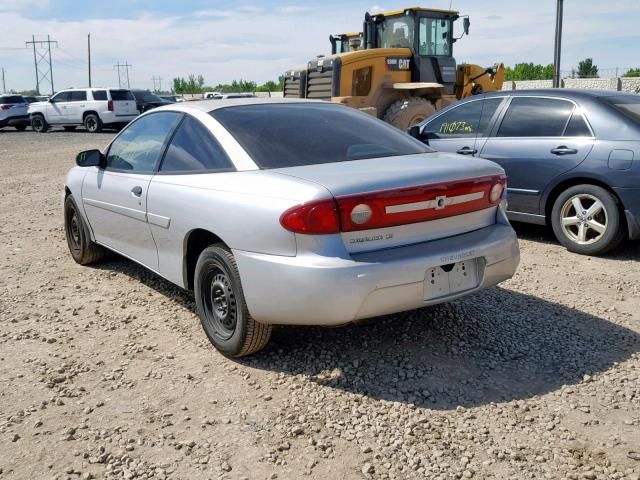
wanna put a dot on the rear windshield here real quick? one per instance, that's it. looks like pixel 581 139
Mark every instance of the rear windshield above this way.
pixel 289 135
pixel 628 105
pixel 12 99
pixel 121 95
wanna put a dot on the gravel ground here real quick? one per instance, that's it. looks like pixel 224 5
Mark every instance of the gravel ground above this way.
pixel 105 371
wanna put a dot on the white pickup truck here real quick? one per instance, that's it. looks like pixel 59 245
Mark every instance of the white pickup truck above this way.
pixel 94 108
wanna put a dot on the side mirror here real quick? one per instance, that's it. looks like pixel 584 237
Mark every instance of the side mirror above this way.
pixel 466 23
pixel 90 158
pixel 415 133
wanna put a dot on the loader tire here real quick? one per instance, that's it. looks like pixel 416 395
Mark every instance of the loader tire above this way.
pixel 408 112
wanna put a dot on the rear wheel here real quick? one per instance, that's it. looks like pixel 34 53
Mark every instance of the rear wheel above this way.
pixel 586 219
pixel 39 124
pixel 408 112
pixel 221 306
pixel 92 123
pixel 21 128
pixel 69 128
pixel 82 249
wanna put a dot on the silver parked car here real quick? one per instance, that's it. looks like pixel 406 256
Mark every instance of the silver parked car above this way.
pixel 289 212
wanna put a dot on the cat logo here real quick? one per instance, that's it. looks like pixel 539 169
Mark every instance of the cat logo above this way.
pixel 404 63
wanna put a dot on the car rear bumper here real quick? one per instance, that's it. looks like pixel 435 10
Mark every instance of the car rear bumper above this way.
pixel 631 200
pixel 15 121
pixel 318 290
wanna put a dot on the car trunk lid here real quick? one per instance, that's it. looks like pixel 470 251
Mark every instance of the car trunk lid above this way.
pixel 124 103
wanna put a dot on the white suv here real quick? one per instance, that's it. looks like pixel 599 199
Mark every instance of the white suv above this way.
pixel 92 107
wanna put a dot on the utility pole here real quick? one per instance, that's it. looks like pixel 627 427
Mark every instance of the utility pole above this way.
pixel 159 87
pixel 42 61
pixel 558 45
pixel 123 74
pixel 4 87
pixel 89 56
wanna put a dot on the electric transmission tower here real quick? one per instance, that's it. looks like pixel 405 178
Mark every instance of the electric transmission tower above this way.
pixel 123 74
pixel 42 61
pixel 159 84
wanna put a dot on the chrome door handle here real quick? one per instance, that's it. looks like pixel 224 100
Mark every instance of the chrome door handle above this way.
pixel 563 150
pixel 136 191
pixel 467 151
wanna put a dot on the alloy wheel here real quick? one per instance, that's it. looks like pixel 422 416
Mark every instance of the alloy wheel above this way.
pixel 584 219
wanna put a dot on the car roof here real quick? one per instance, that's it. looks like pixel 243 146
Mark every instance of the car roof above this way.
pixel 558 92
pixel 209 105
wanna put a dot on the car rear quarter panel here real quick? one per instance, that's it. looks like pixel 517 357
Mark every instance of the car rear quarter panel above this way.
pixel 242 208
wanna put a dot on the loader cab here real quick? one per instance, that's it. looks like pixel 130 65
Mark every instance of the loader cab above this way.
pixel 428 33
pixel 346 42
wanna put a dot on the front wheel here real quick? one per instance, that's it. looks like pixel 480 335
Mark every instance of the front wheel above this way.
pixel 408 112
pixel 82 249
pixel 586 219
pixel 39 124
pixel 92 123
pixel 221 306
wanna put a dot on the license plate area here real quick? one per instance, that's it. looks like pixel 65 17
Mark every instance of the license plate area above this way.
pixel 450 279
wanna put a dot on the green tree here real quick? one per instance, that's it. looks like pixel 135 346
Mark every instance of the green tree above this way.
pixel 586 69
pixel 634 72
pixel 269 86
pixel 529 71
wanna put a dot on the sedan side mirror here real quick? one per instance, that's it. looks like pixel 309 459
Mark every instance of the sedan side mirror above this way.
pixel 90 158
pixel 415 133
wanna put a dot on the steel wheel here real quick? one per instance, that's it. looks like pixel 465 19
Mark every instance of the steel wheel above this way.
pixel 220 304
pixel 75 240
pixel 584 219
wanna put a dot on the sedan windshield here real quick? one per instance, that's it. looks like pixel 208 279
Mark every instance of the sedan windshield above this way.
pixel 628 105
pixel 279 135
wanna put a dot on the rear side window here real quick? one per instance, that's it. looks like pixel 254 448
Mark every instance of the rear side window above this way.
pixel 138 148
pixel 193 149
pixel 99 94
pixel 121 95
pixel 78 96
pixel 465 121
pixel 535 117
pixel 12 99
pixel 279 135
pixel 577 126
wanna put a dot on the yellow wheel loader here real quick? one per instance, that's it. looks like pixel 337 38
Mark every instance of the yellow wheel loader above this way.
pixel 402 70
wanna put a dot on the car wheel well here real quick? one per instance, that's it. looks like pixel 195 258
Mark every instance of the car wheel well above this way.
pixel 196 241
pixel 67 191
pixel 84 115
pixel 571 182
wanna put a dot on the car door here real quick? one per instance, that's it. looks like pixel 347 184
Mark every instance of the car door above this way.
pixel 115 197
pixel 537 139
pixel 76 106
pixel 192 151
pixel 57 108
pixel 463 129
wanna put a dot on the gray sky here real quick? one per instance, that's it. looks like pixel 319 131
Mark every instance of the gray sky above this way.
pixel 259 40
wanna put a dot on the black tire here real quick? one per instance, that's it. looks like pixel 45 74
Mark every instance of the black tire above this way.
pixel 39 124
pixel 408 112
pixel 69 128
pixel 82 249
pixel 21 128
pixel 92 123
pixel 221 306
pixel 576 232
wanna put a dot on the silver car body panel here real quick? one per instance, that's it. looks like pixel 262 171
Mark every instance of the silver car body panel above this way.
pixel 288 278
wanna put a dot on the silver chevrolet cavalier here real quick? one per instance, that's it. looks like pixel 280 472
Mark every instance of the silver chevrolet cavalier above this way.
pixel 289 212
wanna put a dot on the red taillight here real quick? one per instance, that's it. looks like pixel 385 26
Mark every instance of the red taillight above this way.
pixel 319 217
pixel 110 105
pixel 4 106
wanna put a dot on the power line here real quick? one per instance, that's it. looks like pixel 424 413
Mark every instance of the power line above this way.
pixel 159 87
pixel 123 74
pixel 42 61
pixel 4 87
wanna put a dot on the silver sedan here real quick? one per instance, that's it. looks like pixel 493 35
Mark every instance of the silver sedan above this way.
pixel 289 212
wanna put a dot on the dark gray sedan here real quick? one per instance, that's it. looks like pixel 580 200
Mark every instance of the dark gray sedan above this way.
pixel 572 158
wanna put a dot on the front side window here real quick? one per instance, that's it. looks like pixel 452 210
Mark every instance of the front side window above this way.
pixel 194 149
pixel 62 97
pixel 536 117
pixel 282 135
pixel 138 148
pixel 434 37
pixel 396 32
pixel 78 96
pixel 468 120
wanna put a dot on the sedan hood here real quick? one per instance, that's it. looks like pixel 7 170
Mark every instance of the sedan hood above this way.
pixel 385 173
